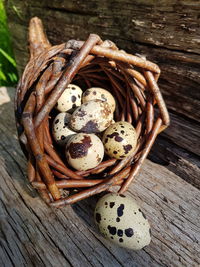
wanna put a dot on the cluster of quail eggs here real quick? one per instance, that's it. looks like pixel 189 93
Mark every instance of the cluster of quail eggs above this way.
pixel 85 127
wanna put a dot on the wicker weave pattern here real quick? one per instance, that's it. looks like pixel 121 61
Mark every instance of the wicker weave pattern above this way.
pixel 131 79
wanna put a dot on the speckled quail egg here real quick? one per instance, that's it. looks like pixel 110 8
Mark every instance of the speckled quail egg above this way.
pixel 92 117
pixel 120 139
pixel 61 131
pixel 99 93
pixel 70 98
pixel 121 221
pixel 84 151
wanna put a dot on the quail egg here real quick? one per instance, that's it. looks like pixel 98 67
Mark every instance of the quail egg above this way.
pixel 84 151
pixel 99 93
pixel 122 221
pixel 61 131
pixel 92 117
pixel 70 98
pixel 120 139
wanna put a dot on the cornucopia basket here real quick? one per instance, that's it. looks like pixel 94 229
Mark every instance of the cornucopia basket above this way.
pixel 131 79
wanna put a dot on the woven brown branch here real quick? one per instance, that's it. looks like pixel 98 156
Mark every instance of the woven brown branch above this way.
pixel 131 79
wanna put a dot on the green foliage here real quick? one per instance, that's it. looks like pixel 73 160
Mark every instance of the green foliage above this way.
pixel 8 71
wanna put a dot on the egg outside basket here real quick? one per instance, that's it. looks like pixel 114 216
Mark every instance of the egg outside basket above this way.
pixel 131 79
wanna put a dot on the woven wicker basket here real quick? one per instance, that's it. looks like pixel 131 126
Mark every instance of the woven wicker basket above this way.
pixel 131 79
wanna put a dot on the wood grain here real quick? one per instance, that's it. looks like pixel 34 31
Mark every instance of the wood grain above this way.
pixel 184 164
pixel 32 234
pixel 167 33
pixel 185 133
pixel 167 188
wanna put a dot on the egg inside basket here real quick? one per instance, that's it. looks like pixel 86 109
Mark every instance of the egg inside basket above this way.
pixel 132 81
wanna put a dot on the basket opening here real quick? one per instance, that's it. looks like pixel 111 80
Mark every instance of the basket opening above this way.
pixel 101 72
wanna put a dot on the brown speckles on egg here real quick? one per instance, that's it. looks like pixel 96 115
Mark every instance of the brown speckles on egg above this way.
pixel 127 148
pixel 105 111
pixel 116 136
pixel 112 204
pixel 120 232
pixel 90 127
pixel 123 141
pixel 79 150
pixel 73 98
pixel 120 210
pixel 69 98
pixel 100 94
pixel 86 93
pixel 84 151
pixel 63 137
pixel 112 230
pixel 81 113
pixel 60 130
pixel 98 158
pixel 89 119
pixel 72 120
pixel 129 230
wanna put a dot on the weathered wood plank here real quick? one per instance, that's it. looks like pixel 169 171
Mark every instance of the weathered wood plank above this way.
pixel 178 160
pixel 184 133
pixel 179 80
pixel 167 33
pixel 32 234
pixel 179 21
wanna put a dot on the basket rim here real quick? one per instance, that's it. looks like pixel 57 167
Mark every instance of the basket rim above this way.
pixel 48 73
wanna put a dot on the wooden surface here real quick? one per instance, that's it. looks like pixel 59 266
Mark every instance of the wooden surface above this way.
pixel 167 188
pixel 167 33
pixel 33 234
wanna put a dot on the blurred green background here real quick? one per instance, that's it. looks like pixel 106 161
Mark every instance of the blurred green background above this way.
pixel 8 71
